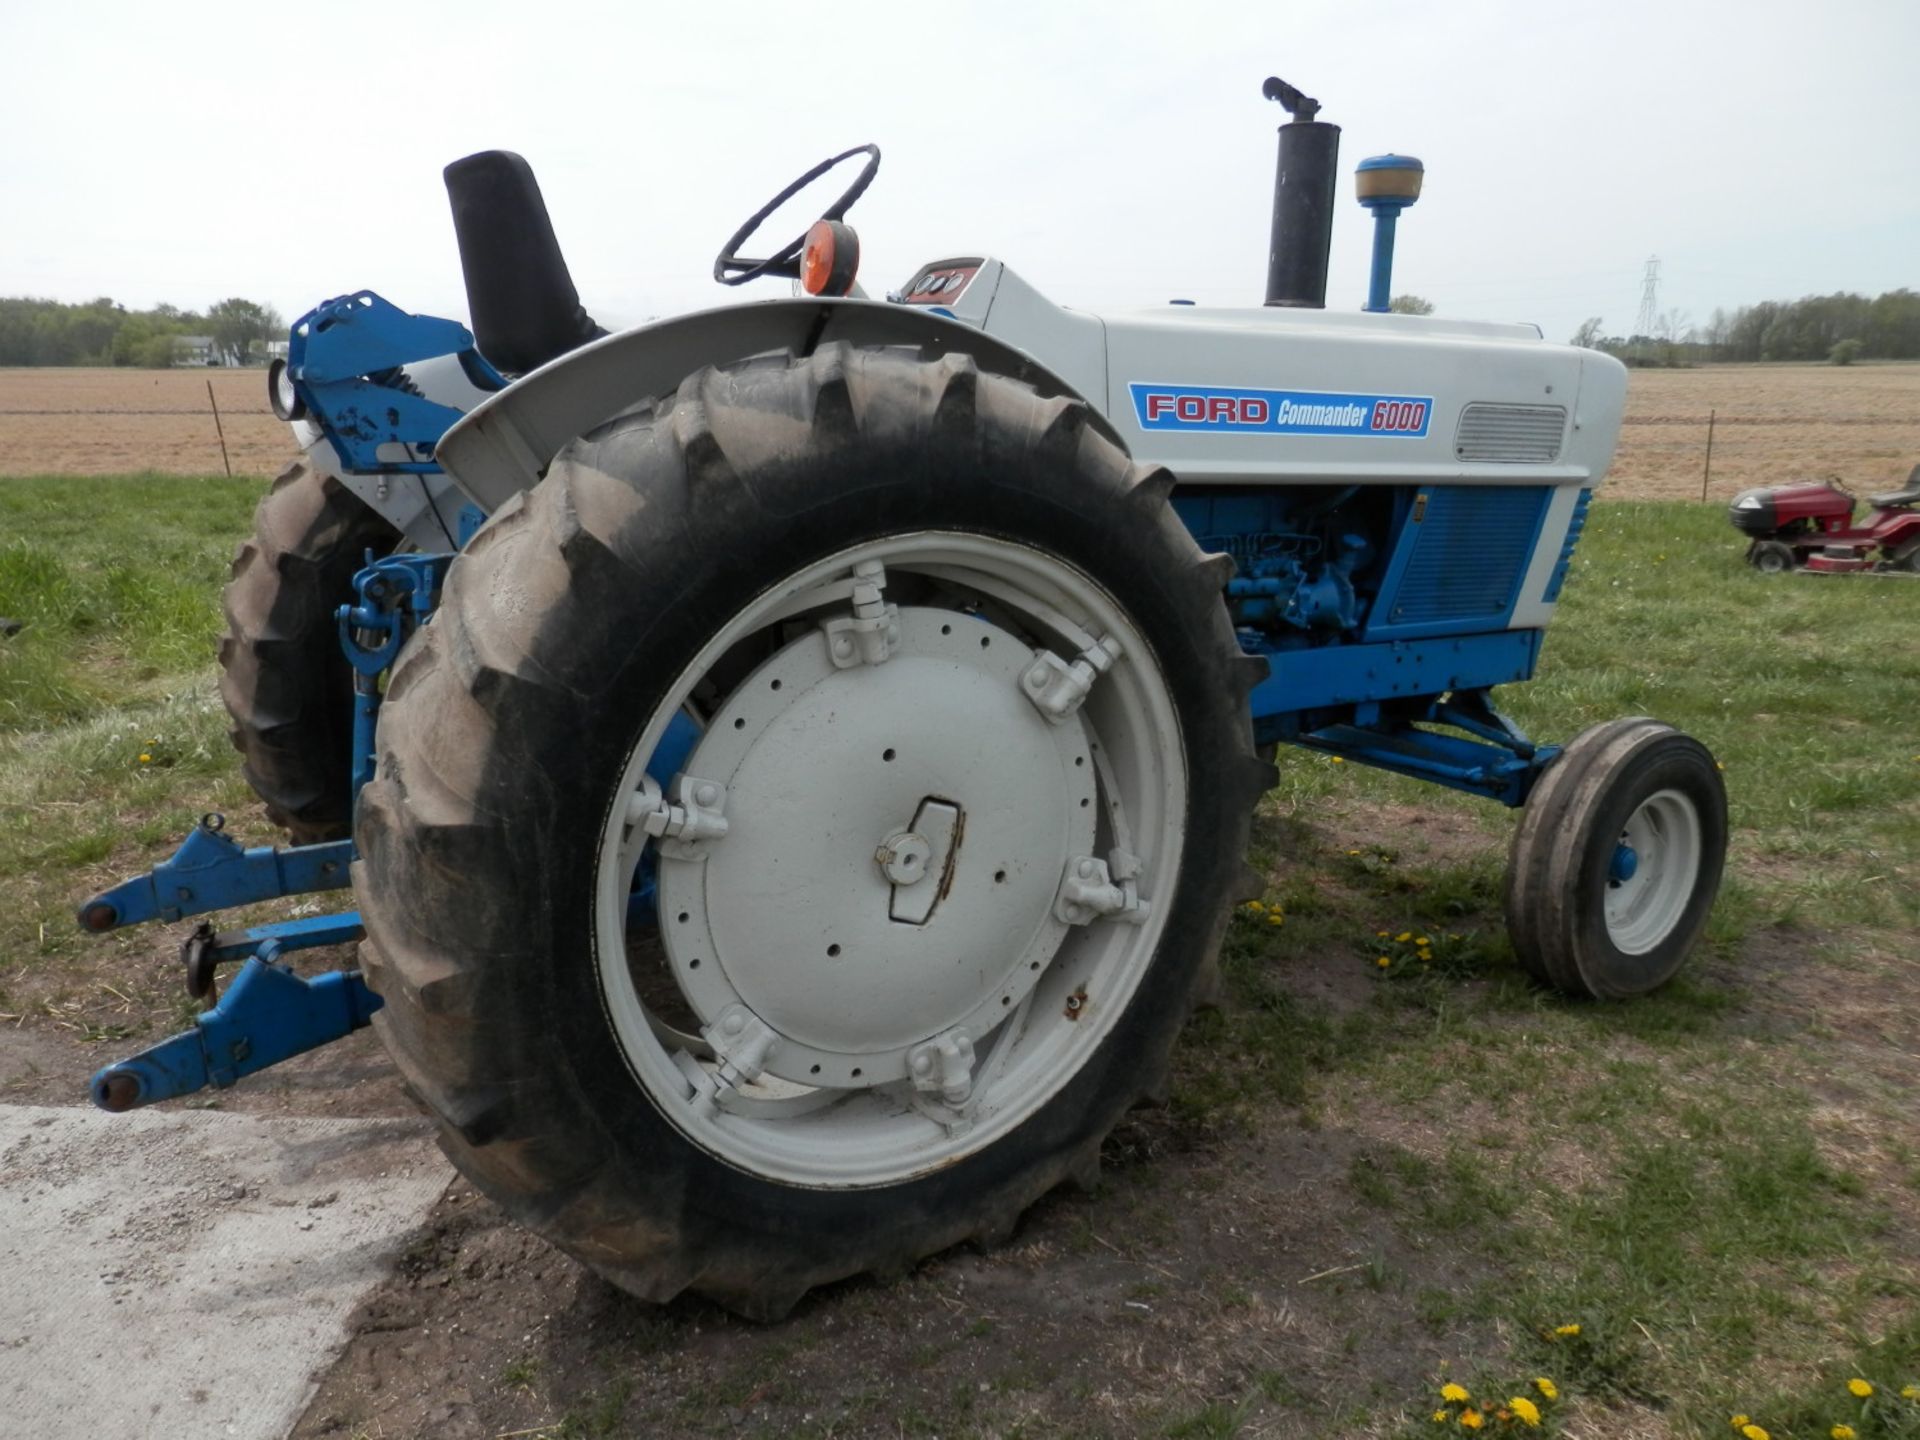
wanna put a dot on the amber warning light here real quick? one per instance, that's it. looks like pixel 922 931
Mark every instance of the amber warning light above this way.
pixel 830 259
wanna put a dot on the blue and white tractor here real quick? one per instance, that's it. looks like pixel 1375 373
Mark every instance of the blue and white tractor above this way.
pixel 793 762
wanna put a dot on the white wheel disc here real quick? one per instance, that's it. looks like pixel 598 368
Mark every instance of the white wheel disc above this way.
pixel 913 869
pixel 1664 836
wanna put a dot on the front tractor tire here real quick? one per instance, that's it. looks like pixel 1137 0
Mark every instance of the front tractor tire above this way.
pixel 806 823
pixel 1616 860
pixel 1772 557
pixel 286 683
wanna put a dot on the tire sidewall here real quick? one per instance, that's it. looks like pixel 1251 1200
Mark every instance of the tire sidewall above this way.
pixel 706 552
pixel 1668 761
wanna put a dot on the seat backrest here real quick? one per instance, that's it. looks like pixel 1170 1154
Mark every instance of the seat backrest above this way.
pixel 520 296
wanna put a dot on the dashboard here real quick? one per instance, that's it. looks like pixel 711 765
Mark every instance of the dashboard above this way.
pixel 939 283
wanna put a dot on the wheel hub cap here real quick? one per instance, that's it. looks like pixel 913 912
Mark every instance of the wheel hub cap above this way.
pixel 897 835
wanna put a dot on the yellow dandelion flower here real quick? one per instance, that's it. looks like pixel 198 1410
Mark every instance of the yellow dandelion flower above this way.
pixel 1754 1432
pixel 1547 1388
pixel 1339 760
pixel 1423 940
pixel 145 758
pixel 1528 1412
pixel 1440 1417
pixel 1256 907
pixel 1566 1330
pixel 1276 918
pixel 1454 1394
pixel 1738 1421
pixel 1471 1419
pixel 1843 1432
pixel 1353 852
pixel 1382 961
pixel 1382 933
pixel 1859 1387
pixel 1719 764
pixel 1403 937
pixel 1910 1392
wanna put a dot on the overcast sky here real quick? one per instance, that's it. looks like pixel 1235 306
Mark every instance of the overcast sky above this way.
pixel 1116 154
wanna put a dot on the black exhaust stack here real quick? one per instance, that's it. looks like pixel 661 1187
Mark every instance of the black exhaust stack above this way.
pixel 1303 189
pixel 520 295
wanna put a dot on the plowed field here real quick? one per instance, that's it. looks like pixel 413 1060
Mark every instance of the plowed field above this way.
pixel 1774 423
pixel 112 422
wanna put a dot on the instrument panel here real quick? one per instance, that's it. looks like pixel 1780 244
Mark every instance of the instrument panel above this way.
pixel 939 283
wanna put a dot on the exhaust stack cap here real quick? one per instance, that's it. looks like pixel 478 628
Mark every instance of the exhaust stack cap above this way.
pixel 1304 183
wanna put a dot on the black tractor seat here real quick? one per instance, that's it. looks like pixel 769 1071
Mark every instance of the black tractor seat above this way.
pixel 1907 494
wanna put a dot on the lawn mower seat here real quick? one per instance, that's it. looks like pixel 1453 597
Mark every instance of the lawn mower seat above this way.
pixel 1907 494
pixel 520 296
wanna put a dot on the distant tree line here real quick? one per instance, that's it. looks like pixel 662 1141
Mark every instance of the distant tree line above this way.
pixel 103 332
pixel 1838 328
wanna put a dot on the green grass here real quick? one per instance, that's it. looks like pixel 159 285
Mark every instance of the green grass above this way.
pixel 1805 687
pixel 1667 1174
pixel 116 582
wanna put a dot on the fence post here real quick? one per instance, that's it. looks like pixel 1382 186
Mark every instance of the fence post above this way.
pixel 218 429
pixel 1709 471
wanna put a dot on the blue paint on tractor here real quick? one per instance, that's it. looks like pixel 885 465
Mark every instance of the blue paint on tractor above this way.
pixel 1325 677
pixel 1574 529
pixel 1459 562
pixel 1625 862
pixel 396 595
pixel 269 1014
pixel 1231 410
pixel 344 358
pixel 211 872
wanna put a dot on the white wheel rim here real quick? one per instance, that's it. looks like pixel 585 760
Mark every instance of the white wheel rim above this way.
pixel 863 1046
pixel 1664 834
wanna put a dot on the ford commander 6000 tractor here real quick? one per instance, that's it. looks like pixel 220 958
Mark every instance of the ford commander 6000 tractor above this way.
pixel 793 762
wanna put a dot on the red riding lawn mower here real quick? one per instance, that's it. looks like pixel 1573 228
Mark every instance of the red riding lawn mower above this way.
pixel 1809 526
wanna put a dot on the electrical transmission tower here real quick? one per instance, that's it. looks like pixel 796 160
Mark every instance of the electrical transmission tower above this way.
pixel 1649 298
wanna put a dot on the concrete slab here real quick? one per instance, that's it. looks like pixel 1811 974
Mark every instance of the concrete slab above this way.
pixel 187 1273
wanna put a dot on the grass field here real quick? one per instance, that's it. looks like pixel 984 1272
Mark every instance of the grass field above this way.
pixel 1370 1181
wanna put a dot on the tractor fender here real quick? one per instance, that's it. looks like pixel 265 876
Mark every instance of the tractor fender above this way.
pixel 503 445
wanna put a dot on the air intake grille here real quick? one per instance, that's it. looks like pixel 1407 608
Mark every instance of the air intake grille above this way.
pixel 1511 434
pixel 1470 549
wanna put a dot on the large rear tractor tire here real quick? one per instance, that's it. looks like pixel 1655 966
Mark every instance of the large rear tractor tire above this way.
pixel 1616 860
pixel 794 661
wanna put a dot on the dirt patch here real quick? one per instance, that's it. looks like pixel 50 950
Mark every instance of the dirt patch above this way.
pixel 1212 1272
pixel 1772 424
pixel 110 422
pixel 116 1001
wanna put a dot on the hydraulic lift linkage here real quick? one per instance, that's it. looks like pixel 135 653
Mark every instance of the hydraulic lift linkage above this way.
pixel 268 1013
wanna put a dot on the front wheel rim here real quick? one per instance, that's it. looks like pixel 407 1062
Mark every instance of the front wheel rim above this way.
pixel 1653 872
pixel 942 733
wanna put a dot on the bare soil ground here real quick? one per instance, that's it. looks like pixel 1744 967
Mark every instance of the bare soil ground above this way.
pixel 115 422
pixel 1774 423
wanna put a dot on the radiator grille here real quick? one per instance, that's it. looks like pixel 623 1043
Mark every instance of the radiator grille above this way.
pixel 1470 551
pixel 1574 527
pixel 1510 434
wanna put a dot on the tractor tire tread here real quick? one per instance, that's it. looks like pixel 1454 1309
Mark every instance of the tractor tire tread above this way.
pixel 287 687
pixel 443 944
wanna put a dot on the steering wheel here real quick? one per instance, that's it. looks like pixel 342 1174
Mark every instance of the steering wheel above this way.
pixel 729 268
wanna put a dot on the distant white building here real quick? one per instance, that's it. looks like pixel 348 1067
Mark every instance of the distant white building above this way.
pixel 194 350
